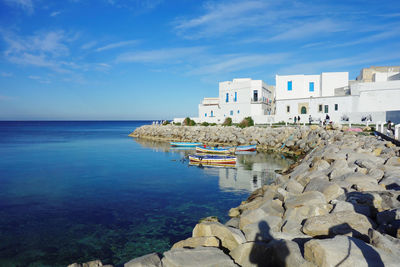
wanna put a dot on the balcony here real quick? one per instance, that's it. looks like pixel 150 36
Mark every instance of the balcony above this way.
pixel 210 101
pixel 261 100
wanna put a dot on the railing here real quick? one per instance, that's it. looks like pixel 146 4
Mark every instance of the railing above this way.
pixel 259 100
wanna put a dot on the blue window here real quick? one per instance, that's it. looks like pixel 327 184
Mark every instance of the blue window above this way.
pixel 227 98
pixel 212 113
pixel 311 87
pixel 205 114
pixel 231 112
pixel 238 111
pixel 235 97
pixel 289 85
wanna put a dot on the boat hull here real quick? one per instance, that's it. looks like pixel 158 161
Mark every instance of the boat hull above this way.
pixel 246 148
pixel 212 159
pixel 214 150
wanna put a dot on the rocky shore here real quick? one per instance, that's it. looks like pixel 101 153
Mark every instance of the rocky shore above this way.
pixel 339 205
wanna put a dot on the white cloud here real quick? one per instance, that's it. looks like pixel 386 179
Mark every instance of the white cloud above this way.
pixel 89 45
pixel 221 18
pixel 55 13
pixel 6 74
pixel 26 5
pixel 231 63
pixel 167 55
pixel 116 45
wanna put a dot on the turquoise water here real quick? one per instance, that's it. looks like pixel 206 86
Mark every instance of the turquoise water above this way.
pixel 78 191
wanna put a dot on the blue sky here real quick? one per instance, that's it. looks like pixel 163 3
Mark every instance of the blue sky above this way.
pixel 144 59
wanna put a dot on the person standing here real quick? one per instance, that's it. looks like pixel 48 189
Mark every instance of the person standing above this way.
pixel 389 127
pixel 295 119
pixel 298 120
pixel 309 120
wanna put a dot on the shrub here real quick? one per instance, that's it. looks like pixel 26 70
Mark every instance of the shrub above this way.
pixel 177 123
pixel 246 122
pixel 188 122
pixel 213 124
pixel 227 122
pixel 205 124
pixel 166 123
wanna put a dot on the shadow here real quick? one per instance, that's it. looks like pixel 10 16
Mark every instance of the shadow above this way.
pixel 267 251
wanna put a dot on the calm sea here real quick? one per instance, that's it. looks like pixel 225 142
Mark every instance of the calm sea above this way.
pixel 78 191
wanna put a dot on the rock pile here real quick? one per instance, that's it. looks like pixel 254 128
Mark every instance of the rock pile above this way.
pixel 338 206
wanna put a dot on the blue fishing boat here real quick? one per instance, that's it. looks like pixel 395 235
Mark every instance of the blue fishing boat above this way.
pixel 246 148
pixel 185 144
pixel 215 150
pixel 213 159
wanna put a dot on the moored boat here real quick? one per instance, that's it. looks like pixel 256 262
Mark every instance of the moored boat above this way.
pixel 215 150
pixel 213 165
pixel 246 148
pixel 185 144
pixel 213 159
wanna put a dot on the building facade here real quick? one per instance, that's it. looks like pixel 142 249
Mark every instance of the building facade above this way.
pixel 238 99
pixel 374 94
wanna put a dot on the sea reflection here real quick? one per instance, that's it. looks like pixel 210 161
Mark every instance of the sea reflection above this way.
pixel 252 170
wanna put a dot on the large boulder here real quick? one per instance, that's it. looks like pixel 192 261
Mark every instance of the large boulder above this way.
pixel 304 199
pixel 384 242
pixel 259 215
pixel 149 260
pixel 230 237
pixel 275 253
pixel 200 256
pixel 192 242
pixel 329 189
pixel 346 251
pixel 339 223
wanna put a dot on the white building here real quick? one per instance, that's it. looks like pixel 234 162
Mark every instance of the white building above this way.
pixel 370 97
pixel 238 99
pixel 374 96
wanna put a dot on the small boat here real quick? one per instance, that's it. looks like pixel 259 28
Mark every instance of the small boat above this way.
pixel 246 148
pixel 185 144
pixel 215 150
pixel 213 159
pixel 213 165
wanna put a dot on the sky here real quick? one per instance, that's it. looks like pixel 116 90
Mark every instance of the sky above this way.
pixel 157 59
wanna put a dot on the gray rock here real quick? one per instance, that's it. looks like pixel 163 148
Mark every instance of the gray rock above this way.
pixel 393 161
pixel 339 223
pixel 192 242
pixel 354 207
pixel 275 253
pixel 384 242
pixel 259 215
pixel 149 260
pixel 230 237
pixel 233 222
pixel 294 187
pixel 346 252
pixel 201 256
pixel 304 199
pixel 329 189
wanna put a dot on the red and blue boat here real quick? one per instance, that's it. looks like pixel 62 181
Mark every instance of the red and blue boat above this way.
pixel 213 159
pixel 185 144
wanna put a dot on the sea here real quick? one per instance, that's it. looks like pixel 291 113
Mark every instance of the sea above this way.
pixel 75 191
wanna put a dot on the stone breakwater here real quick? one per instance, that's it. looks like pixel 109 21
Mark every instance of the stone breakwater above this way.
pixel 337 206
pixel 285 139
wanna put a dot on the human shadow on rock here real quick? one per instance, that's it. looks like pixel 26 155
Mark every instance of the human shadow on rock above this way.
pixel 267 251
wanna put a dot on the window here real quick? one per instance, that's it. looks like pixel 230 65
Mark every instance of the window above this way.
pixel 311 87
pixel 227 98
pixel 205 114
pixel 319 108
pixel 336 107
pixel 238 111
pixel 235 99
pixel 255 95
pixel 212 113
pixel 303 110
pixel 231 112
pixel 326 108
pixel 288 109
pixel 289 85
